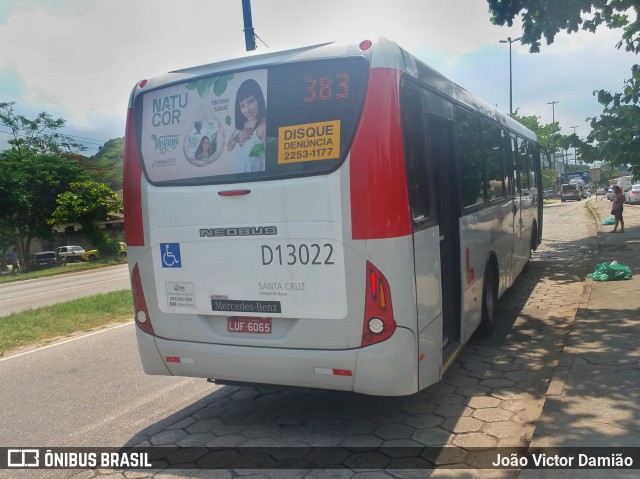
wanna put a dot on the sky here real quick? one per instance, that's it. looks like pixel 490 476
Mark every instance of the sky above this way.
pixel 79 59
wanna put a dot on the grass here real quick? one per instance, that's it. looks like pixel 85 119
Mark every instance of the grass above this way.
pixel 7 277
pixel 42 325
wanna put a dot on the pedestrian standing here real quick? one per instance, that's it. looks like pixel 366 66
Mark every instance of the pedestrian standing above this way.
pixel 14 261
pixel 616 209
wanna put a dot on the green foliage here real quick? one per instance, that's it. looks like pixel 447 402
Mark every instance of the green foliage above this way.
pixel 39 325
pixel 89 203
pixel 36 135
pixel 548 178
pixel 106 165
pixel 549 136
pixel 40 169
pixel 29 186
pixel 86 202
pixel 545 18
pixel 203 86
pixel 614 132
pixel 257 150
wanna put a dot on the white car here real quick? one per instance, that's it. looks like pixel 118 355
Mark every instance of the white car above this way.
pixel 601 192
pixel 69 254
pixel 632 196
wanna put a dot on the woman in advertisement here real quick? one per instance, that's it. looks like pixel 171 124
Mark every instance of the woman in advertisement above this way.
pixel 249 136
pixel 203 152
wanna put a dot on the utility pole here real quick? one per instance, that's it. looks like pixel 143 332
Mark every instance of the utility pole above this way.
pixel 553 110
pixel 249 35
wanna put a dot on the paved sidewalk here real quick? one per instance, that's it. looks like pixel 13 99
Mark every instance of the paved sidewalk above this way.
pixel 594 397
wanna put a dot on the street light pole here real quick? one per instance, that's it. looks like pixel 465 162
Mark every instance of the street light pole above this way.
pixel 510 41
pixel 575 149
pixel 553 110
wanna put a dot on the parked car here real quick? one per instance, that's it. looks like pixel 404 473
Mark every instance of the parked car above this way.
pixel 44 259
pixel 69 254
pixel 94 254
pixel 632 196
pixel 601 192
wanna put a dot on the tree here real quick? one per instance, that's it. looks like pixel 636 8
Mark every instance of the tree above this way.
pixel 89 203
pixel 548 178
pixel 549 135
pixel 546 18
pixel 32 173
pixel 615 132
pixel 549 139
pixel 37 135
pixel 616 129
pixel 29 185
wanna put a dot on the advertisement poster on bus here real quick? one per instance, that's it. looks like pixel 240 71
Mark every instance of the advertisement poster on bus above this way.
pixel 208 127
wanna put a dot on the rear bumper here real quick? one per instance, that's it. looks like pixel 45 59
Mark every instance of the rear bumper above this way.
pixel 389 368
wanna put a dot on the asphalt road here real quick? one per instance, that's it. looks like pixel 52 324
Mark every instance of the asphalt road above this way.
pixel 22 295
pixel 88 391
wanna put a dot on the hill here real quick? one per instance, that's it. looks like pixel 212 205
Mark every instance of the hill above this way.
pixel 107 163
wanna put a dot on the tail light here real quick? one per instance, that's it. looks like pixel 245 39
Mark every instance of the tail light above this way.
pixel 132 178
pixel 365 45
pixel 143 320
pixel 379 324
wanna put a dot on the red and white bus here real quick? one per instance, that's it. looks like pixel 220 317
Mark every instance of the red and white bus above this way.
pixel 337 216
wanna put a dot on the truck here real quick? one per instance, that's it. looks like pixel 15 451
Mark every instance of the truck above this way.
pixel 571 191
pixel 624 182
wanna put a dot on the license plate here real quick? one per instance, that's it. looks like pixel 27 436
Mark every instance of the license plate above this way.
pixel 249 325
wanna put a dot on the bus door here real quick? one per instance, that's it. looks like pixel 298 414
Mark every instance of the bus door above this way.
pixel 442 154
pixel 428 154
pixel 518 199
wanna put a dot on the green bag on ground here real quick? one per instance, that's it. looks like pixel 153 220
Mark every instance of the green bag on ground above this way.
pixel 610 272
pixel 609 221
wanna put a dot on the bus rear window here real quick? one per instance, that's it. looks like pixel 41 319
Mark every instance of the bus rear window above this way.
pixel 274 122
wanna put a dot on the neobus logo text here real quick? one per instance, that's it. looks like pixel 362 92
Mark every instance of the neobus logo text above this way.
pixel 244 231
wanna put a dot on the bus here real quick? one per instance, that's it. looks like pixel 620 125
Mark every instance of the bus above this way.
pixel 340 217
pixel 572 191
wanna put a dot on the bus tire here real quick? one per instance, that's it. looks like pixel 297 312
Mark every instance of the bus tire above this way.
pixel 489 301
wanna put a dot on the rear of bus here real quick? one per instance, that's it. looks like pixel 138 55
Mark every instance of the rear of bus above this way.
pixel 571 191
pixel 267 222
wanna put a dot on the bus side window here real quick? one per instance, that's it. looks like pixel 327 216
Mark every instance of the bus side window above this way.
pixel 494 163
pixel 469 138
pixel 523 165
pixel 515 165
pixel 415 153
pixel 506 162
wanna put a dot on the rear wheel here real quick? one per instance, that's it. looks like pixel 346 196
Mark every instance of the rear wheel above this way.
pixel 489 301
pixel 92 257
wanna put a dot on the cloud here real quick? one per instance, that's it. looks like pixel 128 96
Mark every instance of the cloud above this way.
pixel 79 59
pixel 13 85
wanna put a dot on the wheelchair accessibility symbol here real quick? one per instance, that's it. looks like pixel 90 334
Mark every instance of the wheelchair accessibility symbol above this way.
pixel 170 255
